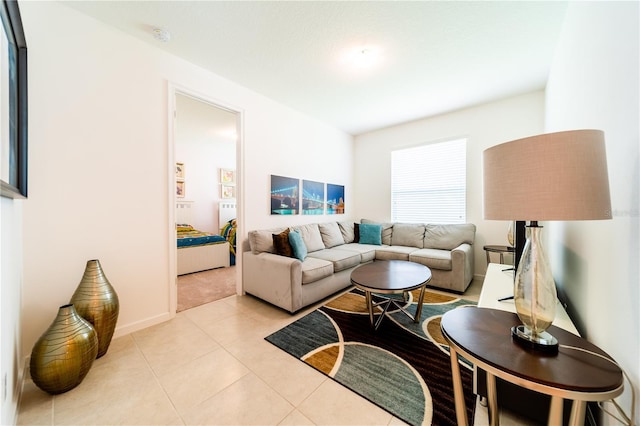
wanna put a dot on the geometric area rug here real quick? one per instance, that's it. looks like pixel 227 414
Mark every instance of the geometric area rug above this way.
pixel 402 367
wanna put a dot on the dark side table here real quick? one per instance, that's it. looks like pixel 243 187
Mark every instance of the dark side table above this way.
pixel 498 249
pixel 483 337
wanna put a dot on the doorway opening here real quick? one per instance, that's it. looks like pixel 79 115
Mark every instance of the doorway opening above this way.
pixel 205 148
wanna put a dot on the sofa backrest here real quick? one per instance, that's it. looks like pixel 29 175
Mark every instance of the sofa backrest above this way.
pixel 262 240
pixel 408 234
pixel 448 237
pixel 436 236
pixel 317 236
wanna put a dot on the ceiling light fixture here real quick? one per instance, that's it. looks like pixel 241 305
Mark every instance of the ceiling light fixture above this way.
pixel 362 57
pixel 161 34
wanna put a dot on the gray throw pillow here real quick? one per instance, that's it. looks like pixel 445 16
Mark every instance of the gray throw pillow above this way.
pixel 311 236
pixel 331 235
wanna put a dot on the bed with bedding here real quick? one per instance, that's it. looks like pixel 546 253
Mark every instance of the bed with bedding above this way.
pixel 199 251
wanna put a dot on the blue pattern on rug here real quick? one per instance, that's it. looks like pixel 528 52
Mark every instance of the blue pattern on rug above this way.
pixel 377 375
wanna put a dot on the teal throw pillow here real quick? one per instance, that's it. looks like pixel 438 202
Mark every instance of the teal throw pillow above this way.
pixel 299 249
pixel 370 234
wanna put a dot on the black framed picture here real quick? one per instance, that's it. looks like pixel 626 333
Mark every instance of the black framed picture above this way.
pixel 13 103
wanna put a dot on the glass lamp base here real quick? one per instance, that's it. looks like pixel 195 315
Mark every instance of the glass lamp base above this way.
pixel 544 342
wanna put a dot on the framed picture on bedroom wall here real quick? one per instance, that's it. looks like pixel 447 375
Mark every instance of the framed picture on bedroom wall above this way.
pixel 228 191
pixel 180 189
pixel 180 171
pixel 227 177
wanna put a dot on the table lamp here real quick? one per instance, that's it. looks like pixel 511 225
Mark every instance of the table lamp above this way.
pixel 554 176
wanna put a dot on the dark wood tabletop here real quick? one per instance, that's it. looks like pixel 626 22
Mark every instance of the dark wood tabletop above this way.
pixel 499 249
pixel 486 335
pixel 390 276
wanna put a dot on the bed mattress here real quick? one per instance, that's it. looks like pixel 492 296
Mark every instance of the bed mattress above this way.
pixel 189 237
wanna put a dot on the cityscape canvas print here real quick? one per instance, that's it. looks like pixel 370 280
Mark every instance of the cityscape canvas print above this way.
pixel 335 199
pixel 284 195
pixel 312 197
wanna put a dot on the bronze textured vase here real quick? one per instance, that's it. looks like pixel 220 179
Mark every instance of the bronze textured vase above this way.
pixel 63 355
pixel 97 302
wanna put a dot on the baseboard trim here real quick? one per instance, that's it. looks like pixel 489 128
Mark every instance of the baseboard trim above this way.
pixel 139 325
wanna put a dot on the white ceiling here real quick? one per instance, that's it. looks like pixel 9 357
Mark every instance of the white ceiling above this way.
pixel 435 56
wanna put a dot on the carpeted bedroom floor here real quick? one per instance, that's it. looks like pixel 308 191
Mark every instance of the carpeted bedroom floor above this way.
pixel 207 286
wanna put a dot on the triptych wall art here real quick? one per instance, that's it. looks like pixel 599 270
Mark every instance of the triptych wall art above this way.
pixel 293 196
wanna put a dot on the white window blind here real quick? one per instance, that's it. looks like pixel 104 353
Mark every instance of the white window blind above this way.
pixel 429 183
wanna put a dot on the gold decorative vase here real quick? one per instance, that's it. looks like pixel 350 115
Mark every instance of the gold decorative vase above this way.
pixel 97 302
pixel 63 355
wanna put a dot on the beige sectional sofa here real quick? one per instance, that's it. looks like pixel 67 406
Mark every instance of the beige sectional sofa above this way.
pixel 332 254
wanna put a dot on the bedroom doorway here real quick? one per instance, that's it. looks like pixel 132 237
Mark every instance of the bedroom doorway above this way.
pixel 205 151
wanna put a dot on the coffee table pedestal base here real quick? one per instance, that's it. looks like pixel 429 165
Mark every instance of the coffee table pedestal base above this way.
pixel 387 302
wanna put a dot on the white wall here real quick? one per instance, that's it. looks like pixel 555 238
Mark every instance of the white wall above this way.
pixel 594 84
pixel 99 163
pixel 204 144
pixel 299 150
pixel 11 361
pixel 483 126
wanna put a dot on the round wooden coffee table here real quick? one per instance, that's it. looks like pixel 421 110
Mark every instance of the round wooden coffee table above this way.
pixel 391 277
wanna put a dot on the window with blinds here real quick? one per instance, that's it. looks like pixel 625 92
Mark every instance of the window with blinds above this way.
pixel 429 183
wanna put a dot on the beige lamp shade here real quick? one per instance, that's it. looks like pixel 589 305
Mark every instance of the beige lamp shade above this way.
pixel 554 176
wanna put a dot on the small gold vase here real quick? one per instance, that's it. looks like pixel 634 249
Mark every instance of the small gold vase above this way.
pixel 63 355
pixel 97 302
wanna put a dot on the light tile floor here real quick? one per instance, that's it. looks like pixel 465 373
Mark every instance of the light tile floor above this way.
pixel 208 365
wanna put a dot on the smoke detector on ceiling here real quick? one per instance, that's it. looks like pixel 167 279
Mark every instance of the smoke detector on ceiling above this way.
pixel 161 34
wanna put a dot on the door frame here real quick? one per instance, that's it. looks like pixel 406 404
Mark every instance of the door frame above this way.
pixel 173 90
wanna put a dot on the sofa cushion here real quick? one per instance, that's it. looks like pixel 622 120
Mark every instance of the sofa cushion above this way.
pixel 297 245
pixel 448 237
pixel 432 258
pixel 314 269
pixel 331 234
pixel 346 228
pixel 311 236
pixel 408 234
pixel 387 230
pixel 341 259
pixel 262 240
pixel 281 244
pixel 394 252
pixel 370 234
pixel 367 252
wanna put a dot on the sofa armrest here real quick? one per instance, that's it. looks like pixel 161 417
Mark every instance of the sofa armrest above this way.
pixel 276 279
pixel 462 265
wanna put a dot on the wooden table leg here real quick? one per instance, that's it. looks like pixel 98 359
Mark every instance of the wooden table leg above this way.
pixel 492 400
pixel 578 409
pixel 555 411
pixel 461 409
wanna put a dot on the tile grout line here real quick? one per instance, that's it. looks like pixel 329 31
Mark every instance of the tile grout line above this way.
pixel 157 379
